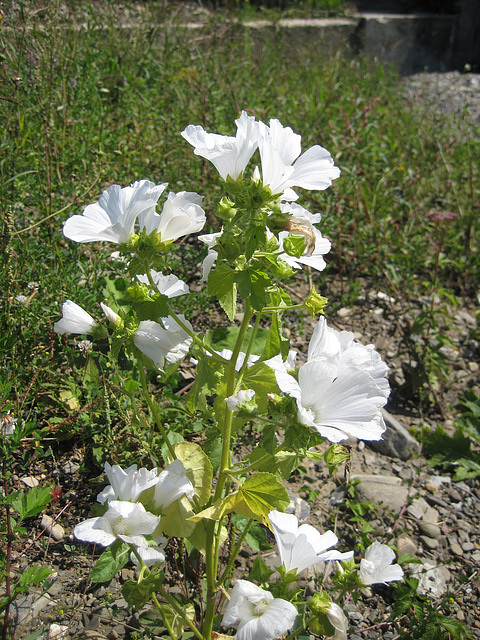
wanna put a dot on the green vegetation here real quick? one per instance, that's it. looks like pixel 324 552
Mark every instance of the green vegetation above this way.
pixel 90 98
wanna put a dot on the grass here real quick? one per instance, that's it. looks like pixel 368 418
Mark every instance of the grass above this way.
pixel 86 104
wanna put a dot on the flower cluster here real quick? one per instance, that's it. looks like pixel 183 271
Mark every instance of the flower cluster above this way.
pixel 133 512
pixel 264 236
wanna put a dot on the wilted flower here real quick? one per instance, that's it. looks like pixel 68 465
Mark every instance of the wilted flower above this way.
pixel 21 299
pixel 85 346
pixel 257 614
pixel 338 620
pixel 151 554
pixel 127 521
pixel 282 167
pixel 229 155
pixel 169 286
pixel 168 342
pixel 320 247
pixel 172 484
pixel 128 484
pixel 377 565
pixel 113 217
pixel 302 546
pixel 74 319
pixel 181 215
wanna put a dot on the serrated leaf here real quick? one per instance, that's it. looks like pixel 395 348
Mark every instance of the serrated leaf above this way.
pixel 110 562
pixel 32 502
pixel 253 284
pixel 262 493
pixel 259 571
pixel 174 620
pixel 261 378
pixel 221 284
pixel 137 594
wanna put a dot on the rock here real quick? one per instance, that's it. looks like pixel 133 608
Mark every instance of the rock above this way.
pixel 405 544
pixel 429 529
pixel 456 548
pixel 30 481
pixel 57 632
pixel 387 491
pixel 432 579
pixel 468 546
pixel 55 530
pixel 430 543
pixel 396 441
pixel 298 506
pixel 30 606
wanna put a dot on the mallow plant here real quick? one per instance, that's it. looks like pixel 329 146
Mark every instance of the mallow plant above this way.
pixel 210 492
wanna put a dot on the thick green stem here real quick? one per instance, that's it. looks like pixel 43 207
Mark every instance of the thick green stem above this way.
pixel 211 551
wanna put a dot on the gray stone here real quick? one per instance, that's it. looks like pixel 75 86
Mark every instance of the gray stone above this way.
pixel 298 506
pixel 29 607
pixel 405 544
pixel 30 481
pixel 55 530
pixel 396 441
pixel 468 546
pixel 386 491
pixel 432 579
pixel 456 548
pixel 430 543
pixel 57 632
pixel 429 529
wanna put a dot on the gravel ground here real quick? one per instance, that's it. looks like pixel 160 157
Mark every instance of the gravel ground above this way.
pixel 423 511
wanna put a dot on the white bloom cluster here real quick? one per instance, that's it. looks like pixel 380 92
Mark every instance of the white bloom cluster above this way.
pixel 126 517
pixel 115 216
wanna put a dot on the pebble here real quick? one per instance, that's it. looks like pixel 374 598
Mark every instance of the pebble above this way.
pixel 429 529
pixel 430 543
pixel 468 546
pixel 55 530
pixel 456 548
pixel 57 632
pixel 405 544
pixel 30 481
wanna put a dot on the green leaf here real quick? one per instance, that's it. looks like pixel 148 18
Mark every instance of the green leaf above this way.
pixel 260 572
pixel 261 378
pixel 110 562
pixel 91 374
pixel 198 467
pixel 176 520
pixel 33 575
pixel 335 455
pixel 315 303
pixel 221 284
pixel 253 284
pixel 209 374
pixel 137 594
pixel 32 502
pixel 276 341
pixel 174 620
pixel 262 493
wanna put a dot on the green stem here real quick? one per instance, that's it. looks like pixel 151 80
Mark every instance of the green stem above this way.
pixel 153 409
pixel 212 548
pixel 234 553
pixel 298 631
pixel 248 352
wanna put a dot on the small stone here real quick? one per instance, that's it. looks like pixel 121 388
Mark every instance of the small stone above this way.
pixel 57 632
pixel 429 529
pixel 55 530
pixel 456 549
pixel 432 579
pixel 405 544
pixel 430 543
pixel 70 467
pixel 468 546
pixel 30 481
pixel 430 487
pixel 387 491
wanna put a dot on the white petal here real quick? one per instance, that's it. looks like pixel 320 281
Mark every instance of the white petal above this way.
pixel 169 285
pixel 172 484
pixel 339 621
pixel 74 320
pixel 181 215
pixel 95 530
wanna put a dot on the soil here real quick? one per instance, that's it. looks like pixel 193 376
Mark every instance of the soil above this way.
pixel 448 538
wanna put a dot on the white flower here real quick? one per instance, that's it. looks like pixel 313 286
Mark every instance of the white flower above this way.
pixel 172 484
pixel 338 620
pixel 151 554
pixel 110 315
pixel 341 388
pixel 282 167
pixel 169 286
pixel 315 259
pixel 328 342
pixel 127 521
pixel 74 319
pixel 181 215
pixel 299 213
pixel 113 217
pixel 235 401
pixel 229 155
pixel 168 342
pixel 210 240
pixel 257 614
pixel 128 484
pixel 302 546
pixel 377 565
